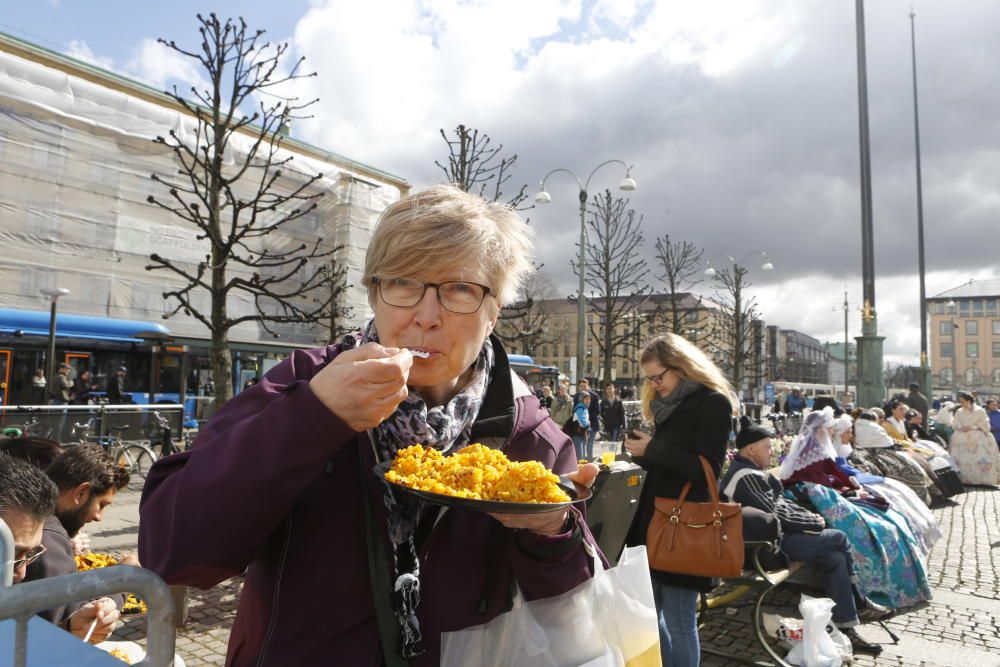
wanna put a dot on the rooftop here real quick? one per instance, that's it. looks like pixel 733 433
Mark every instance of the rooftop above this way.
pixel 973 288
pixel 114 81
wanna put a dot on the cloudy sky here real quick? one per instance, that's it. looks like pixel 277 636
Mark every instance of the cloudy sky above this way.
pixel 739 116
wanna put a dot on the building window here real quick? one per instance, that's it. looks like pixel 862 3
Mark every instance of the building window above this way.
pixel 692 316
pixel 972 327
pixel 996 327
pixel 947 350
pixel 972 350
pixel 963 306
pixel 991 305
pixel 973 376
pixel 946 375
pixel 977 307
pixel 946 327
pixel 996 350
pixel 995 376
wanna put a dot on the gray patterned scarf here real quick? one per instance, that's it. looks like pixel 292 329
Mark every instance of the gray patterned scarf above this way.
pixel 447 428
pixel 662 408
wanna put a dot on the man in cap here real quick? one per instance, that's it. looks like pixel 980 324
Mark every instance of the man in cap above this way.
pixel 805 535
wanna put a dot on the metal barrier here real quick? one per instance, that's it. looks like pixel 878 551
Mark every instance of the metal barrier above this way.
pixel 56 422
pixel 23 601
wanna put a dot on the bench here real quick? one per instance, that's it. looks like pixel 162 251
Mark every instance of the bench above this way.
pixel 761 583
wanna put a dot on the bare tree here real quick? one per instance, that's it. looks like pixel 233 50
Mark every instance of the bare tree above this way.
pixel 336 312
pixel 617 275
pixel 475 166
pixel 527 324
pixel 680 264
pixel 241 119
pixel 733 338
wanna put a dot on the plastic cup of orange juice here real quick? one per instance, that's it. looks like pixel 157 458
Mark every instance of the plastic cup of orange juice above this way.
pixel 607 458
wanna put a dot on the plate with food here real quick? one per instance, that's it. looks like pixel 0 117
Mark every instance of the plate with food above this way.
pixel 133 606
pixel 483 479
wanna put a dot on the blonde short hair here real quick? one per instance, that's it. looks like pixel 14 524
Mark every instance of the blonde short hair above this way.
pixel 687 361
pixel 436 228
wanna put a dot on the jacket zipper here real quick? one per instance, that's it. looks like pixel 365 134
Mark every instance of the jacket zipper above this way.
pixel 277 589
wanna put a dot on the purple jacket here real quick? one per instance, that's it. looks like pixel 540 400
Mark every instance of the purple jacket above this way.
pixel 272 486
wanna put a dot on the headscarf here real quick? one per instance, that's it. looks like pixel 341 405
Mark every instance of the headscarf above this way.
pixel 869 435
pixel 811 445
pixel 841 425
pixel 446 428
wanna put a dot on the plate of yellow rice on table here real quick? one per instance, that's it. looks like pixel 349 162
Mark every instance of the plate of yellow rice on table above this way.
pixel 479 478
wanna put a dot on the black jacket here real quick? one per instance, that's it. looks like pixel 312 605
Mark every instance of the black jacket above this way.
pixel 698 426
pixel 763 491
pixel 612 416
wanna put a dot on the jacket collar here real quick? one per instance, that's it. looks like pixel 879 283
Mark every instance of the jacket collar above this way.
pixel 497 413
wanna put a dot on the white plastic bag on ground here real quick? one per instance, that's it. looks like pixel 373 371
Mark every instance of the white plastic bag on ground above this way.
pixel 817 648
pixel 607 621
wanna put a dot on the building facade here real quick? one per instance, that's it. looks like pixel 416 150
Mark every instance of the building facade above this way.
pixel 793 356
pixel 965 338
pixel 554 343
pixel 76 156
pixel 836 369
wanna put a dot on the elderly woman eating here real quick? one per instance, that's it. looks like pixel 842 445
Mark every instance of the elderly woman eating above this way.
pixel 280 483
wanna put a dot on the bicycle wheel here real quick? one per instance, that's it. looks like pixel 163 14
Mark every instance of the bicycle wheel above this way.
pixel 137 460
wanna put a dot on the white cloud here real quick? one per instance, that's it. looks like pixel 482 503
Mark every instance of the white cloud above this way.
pixel 80 50
pixel 160 66
pixel 739 115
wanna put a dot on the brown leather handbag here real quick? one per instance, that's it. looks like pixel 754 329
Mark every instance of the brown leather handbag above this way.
pixel 700 539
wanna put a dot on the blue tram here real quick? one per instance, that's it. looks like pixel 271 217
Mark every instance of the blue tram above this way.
pixel 161 367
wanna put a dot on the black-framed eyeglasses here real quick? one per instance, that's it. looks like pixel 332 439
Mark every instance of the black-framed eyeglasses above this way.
pixel 658 378
pixel 455 296
pixel 30 557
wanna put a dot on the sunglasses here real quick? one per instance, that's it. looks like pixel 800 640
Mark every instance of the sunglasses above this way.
pixel 30 557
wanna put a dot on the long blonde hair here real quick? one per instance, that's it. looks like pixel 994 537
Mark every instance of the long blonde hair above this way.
pixel 686 360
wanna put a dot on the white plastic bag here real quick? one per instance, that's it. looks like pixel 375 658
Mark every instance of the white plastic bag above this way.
pixel 817 648
pixel 607 621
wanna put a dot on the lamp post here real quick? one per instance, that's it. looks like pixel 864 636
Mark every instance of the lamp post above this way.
pixel 53 293
pixel 952 309
pixel 737 288
pixel 627 184
pixel 925 372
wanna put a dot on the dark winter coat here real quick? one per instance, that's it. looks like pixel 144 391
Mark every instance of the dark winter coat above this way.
pixel 272 487
pixel 698 426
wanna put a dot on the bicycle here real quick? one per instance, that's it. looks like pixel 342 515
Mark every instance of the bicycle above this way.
pixel 135 457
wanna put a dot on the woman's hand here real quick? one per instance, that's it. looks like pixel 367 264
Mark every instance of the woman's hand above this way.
pixel 549 523
pixel 636 443
pixel 364 386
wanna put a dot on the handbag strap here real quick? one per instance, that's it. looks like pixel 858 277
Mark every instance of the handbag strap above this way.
pixel 713 485
pixel 378 568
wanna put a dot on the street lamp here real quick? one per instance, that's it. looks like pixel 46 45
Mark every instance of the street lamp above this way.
pixel 627 184
pixel 53 293
pixel 737 289
pixel 952 309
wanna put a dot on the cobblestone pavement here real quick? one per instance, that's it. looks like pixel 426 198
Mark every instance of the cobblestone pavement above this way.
pixel 959 627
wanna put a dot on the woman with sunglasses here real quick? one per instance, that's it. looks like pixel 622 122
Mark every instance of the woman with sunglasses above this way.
pixel 687 399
